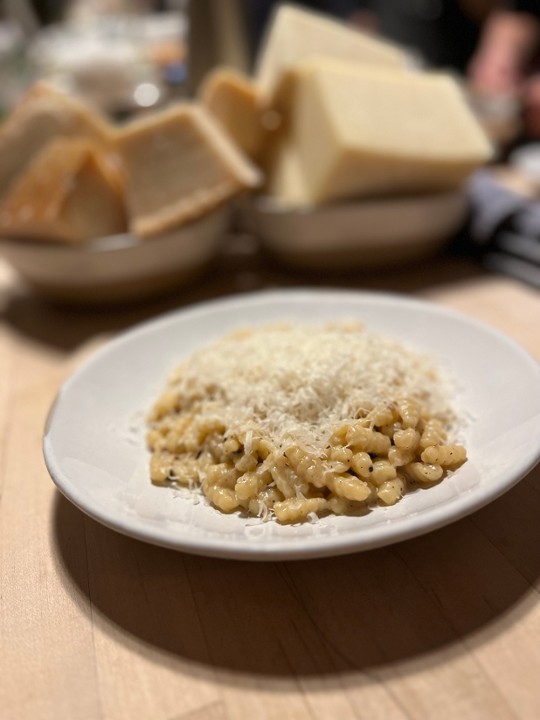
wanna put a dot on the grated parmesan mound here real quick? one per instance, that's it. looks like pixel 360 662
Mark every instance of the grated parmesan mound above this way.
pixel 300 381
pixel 293 422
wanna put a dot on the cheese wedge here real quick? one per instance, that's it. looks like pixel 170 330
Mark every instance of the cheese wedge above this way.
pixel 296 34
pixel 70 192
pixel 360 131
pixel 179 165
pixel 44 114
pixel 232 99
pixel 284 178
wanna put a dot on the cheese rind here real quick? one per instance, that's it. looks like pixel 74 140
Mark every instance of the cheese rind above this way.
pixel 361 132
pixel 70 192
pixel 179 165
pixel 295 35
pixel 45 114
pixel 233 100
pixel 283 172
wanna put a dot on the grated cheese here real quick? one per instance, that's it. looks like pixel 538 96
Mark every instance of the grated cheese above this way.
pixel 300 381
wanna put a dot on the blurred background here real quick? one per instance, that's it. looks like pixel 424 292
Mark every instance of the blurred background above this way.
pixel 119 56
pixel 129 54
pixel 128 58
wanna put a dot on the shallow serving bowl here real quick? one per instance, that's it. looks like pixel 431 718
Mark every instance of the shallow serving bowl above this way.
pixel 95 447
pixel 120 267
pixel 367 233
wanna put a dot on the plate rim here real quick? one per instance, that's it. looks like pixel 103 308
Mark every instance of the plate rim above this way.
pixel 305 548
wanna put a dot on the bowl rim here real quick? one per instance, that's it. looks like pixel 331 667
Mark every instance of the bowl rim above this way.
pixel 107 243
pixel 270 205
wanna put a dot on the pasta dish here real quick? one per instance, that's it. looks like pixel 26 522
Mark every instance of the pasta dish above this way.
pixel 297 421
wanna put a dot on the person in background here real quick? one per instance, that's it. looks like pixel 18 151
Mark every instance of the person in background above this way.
pixel 506 60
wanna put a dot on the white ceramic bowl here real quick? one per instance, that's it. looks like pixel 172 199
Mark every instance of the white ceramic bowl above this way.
pixel 120 267
pixel 366 233
pixel 95 447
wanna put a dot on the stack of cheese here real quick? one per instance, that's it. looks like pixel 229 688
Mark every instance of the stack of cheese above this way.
pixel 68 175
pixel 332 113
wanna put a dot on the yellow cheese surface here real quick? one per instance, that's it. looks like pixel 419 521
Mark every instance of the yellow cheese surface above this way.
pixel 296 34
pixel 43 115
pixel 179 165
pixel 283 173
pixel 233 100
pixel 359 131
pixel 70 192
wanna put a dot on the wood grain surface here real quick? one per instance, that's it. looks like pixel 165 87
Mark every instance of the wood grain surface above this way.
pixel 97 625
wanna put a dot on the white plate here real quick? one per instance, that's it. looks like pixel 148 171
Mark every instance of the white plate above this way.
pixel 94 440
pixel 369 233
pixel 120 267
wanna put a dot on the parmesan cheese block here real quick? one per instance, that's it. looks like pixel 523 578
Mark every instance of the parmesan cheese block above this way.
pixel 283 172
pixel 69 193
pixel 360 131
pixel 296 34
pixel 44 114
pixel 179 165
pixel 232 99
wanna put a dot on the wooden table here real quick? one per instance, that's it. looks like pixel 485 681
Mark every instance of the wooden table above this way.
pixel 97 625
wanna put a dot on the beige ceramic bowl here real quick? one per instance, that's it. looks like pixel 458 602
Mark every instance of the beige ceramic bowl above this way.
pixel 365 233
pixel 117 268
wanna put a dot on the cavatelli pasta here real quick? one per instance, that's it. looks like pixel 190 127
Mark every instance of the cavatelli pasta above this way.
pixel 334 450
